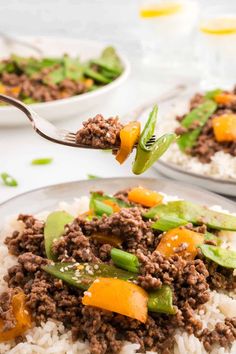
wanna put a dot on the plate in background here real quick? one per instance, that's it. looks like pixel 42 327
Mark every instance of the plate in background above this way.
pixel 68 107
pixel 47 198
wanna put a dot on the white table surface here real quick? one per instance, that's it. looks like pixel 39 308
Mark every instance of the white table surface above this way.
pixel 19 146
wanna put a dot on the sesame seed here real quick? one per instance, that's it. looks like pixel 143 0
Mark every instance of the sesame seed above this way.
pixel 87 293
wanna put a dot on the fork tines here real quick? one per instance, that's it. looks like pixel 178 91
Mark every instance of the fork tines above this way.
pixel 70 137
pixel 151 141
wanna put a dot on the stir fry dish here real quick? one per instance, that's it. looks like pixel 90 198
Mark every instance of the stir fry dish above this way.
pixel 136 267
pixel 110 133
pixel 209 126
pixel 33 80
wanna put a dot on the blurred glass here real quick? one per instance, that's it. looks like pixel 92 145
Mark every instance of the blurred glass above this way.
pixel 217 45
pixel 167 30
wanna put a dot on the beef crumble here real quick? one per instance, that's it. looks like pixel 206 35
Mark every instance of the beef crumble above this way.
pixel 100 133
pixel 31 239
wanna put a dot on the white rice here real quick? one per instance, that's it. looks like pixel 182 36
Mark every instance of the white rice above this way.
pixel 52 338
pixel 222 165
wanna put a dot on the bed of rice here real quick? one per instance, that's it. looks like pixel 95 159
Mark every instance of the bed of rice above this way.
pixel 222 165
pixel 51 337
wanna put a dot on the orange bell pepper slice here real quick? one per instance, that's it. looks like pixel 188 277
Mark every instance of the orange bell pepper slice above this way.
pixel 225 127
pixel 145 197
pixel 118 296
pixel 110 239
pixel 174 238
pixel 22 316
pixel 129 135
pixel 114 205
pixel 225 98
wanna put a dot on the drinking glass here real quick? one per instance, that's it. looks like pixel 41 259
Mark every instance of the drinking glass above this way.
pixel 167 29
pixel 217 45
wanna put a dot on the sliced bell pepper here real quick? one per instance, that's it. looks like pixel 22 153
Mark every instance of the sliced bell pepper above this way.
pixel 22 317
pixel 53 230
pixel 193 213
pixel 118 296
pixel 144 196
pixel 200 115
pixel 146 153
pixel 175 238
pixel 110 239
pixel 225 127
pixel 129 135
pixel 225 98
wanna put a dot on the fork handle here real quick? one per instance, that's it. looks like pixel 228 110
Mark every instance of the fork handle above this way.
pixel 12 101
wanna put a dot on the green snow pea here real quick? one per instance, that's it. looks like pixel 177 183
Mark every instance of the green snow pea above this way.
pixel 222 256
pixel 53 230
pixel 193 213
pixel 200 114
pixel 146 153
pixel 161 300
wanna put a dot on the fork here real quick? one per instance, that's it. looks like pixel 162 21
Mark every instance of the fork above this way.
pixel 62 136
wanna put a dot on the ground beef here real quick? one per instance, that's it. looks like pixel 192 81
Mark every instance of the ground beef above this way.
pixel 223 334
pixel 220 278
pixel 187 278
pixel 123 195
pixel 74 246
pixel 31 239
pixel 6 310
pixel 99 132
pixel 126 224
pixel 38 88
pixel 206 145
pixel 49 297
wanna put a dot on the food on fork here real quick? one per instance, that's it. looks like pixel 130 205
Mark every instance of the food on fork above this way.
pixel 135 271
pixel 110 133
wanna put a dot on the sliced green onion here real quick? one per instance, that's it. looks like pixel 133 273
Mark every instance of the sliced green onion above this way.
pixel 43 161
pixel 93 177
pixel 125 260
pixel 168 222
pixel 8 180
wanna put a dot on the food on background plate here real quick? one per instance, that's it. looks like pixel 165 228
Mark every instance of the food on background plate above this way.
pixel 207 135
pixel 35 80
pixel 131 272
pixel 110 133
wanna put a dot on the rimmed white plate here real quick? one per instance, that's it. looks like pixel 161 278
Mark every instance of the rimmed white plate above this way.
pixel 47 198
pixel 68 107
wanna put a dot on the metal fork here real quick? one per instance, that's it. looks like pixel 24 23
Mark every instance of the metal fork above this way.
pixel 61 136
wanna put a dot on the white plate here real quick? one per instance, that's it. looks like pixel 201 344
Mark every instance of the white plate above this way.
pixel 68 107
pixel 47 198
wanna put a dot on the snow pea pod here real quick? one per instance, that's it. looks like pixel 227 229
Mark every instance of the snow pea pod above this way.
pixel 199 115
pixel 193 213
pixel 82 275
pixel 53 230
pixel 222 256
pixel 147 153
pixel 161 300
